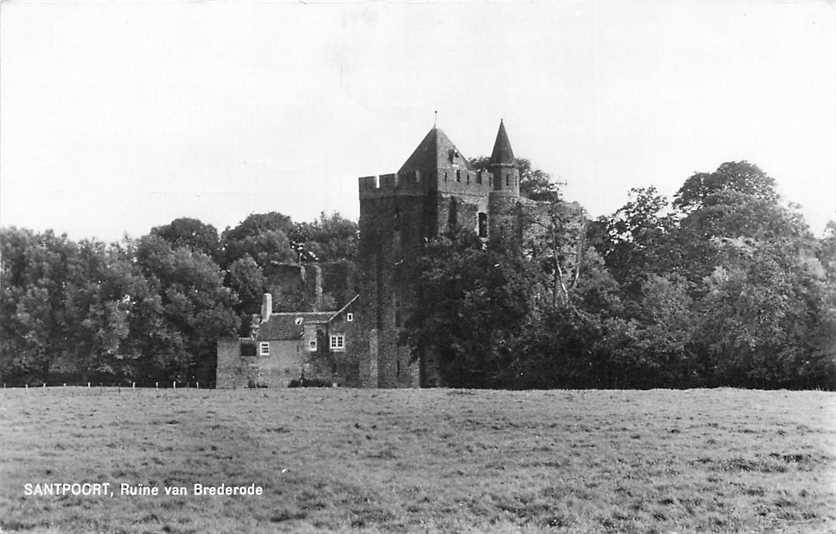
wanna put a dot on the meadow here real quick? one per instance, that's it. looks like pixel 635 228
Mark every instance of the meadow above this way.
pixel 423 460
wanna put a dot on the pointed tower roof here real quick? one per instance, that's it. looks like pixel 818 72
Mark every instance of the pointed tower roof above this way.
pixel 435 151
pixel 502 153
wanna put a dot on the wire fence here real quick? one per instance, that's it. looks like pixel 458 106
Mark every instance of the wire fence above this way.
pixel 133 385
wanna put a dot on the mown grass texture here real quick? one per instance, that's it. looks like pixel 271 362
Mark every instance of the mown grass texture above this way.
pixel 424 460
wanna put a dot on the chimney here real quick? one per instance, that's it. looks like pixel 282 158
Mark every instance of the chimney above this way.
pixel 266 307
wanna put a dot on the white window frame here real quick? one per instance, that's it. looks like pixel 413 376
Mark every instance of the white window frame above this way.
pixel 349 317
pixel 263 348
pixel 337 342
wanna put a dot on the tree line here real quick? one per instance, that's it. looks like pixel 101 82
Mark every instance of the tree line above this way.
pixel 149 309
pixel 724 285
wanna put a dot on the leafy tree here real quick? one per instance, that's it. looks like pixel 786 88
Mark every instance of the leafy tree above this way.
pixel 34 272
pixel 636 241
pixel 706 189
pixel 654 346
pixel 65 308
pixel 760 314
pixel 188 310
pixel 821 368
pixel 248 282
pixel 470 305
pixel 263 236
pixel 98 303
pixel 556 239
pixel 327 239
pixel 192 234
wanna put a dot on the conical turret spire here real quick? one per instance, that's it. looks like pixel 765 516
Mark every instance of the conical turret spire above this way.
pixel 502 153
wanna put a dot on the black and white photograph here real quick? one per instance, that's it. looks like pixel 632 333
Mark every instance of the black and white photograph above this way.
pixel 427 266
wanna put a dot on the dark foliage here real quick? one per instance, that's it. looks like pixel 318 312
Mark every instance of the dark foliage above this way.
pixel 146 310
pixel 309 383
pixel 724 286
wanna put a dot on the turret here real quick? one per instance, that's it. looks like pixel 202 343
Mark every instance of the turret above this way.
pixel 503 165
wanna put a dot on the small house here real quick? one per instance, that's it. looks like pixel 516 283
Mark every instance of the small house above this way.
pixel 284 347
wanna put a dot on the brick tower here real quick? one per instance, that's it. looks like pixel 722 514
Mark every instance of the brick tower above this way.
pixel 433 191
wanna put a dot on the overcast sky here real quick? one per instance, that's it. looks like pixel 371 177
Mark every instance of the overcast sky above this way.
pixel 119 116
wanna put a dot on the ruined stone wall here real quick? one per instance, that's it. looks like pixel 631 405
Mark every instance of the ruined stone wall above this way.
pixel 282 365
pixel 287 283
pixel 505 218
pixel 460 210
pixel 339 281
pixel 230 372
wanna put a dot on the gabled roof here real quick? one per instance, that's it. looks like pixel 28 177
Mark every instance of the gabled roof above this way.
pixel 349 303
pixel 435 151
pixel 282 326
pixel 502 153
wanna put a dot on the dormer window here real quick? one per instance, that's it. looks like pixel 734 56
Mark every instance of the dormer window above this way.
pixel 264 348
pixel 298 321
pixel 349 317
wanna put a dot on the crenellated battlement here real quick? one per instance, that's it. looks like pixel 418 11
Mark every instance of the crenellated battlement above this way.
pixel 449 180
pixel 413 183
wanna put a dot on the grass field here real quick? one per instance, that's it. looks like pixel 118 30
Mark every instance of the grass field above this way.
pixel 423 460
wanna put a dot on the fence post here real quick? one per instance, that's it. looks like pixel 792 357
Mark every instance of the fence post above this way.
pixel 44 385
pixel 174 384
pixel 197 385
pixel 156 385
pixel 133 385
pixel 88 385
